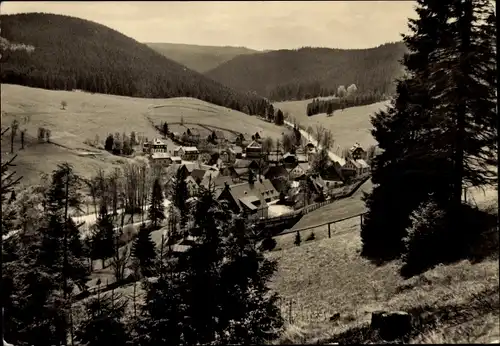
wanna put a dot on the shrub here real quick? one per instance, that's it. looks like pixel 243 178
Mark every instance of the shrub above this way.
pixel 297 239
pixel 268 244
pixel 425 239
pixel 311 236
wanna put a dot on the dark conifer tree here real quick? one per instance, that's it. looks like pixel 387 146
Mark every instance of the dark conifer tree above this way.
pixel 144 251
pixel 156 211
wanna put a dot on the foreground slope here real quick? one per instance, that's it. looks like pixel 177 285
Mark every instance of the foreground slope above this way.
pixel 87 115
pixel 72 53
pixel 199 58
pixel 302 73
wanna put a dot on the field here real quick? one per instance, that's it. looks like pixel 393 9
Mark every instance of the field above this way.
pixel 88 115
pixel 348 126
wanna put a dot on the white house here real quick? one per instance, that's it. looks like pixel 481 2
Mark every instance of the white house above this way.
pixel 187 153
pixel 161 158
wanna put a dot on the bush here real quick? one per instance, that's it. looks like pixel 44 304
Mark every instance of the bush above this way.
pixel 297 239
pixel 424 241
pixel 268 244
pixel 311 236
pixel 431 240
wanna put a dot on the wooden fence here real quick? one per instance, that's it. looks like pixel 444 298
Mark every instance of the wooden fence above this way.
pixel 328 224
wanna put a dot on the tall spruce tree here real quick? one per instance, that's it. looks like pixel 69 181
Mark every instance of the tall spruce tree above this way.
pixel 103 322
pixel 156 211
pixel 180 196
pixel 216 293
pixel 439 131
pixel 144 251
pixel 103 237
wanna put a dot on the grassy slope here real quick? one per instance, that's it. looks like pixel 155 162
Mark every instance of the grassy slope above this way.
pixel 328 276
pixel 348 126
pixel 199 58
pixel 89 114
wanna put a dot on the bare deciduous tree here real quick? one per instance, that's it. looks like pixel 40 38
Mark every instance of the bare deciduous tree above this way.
pixel 120 262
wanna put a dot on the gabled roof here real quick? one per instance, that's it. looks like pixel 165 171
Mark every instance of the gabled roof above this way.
pixel 254 145
pixel 355 164
pixel 303 166
pixel 217 181
pixel 236 150
pixel 275 171
pixel 156 156
pixel 190 179
pixel 301 158
pixel 190 149
pixel 241 163
pixel 198 174
pixel 355 147
pixel 176 158
pixel 158 141
pixel 363 163
pixel 240 191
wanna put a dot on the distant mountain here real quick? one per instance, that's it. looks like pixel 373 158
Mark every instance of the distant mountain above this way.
pixel 72 53
pixel 199 58
pixel 311 72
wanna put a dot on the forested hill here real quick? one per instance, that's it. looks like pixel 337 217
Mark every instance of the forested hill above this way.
pixel 311 72
pixel 72 53
pixel 199 58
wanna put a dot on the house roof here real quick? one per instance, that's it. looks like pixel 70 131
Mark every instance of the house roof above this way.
pixel 236 150
pixel 355 147
pixel 158 141
pixel 190 149
pixel 274 157
pixel 303 166
pixel 176 158
pixel 241 163
pixel 156 156
pixel 355 164
pixel 240 191
pixel 198 174
pixel 254 145
pixel 217 181
pixel 275 171
pixel 363 163
pixel 190 179
pixel 241 171
pixel 194 132
pixel 301 158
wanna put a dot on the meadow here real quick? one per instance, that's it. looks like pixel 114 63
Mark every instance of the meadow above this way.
pixel 87 115
pixel 348 126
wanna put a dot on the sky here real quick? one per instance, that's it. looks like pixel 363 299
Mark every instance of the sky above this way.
pixel 259 25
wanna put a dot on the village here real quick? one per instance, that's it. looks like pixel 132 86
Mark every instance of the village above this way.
pixel 255 175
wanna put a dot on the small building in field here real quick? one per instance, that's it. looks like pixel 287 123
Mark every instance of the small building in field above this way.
pixel 187 153
pixel 358 166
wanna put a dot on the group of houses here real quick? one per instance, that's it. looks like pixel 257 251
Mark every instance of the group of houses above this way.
pixel 250 178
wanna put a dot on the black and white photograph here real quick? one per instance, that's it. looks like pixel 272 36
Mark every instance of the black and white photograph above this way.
pixel 249 173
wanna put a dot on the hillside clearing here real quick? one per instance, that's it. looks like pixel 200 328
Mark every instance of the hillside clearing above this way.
pixel 87 115
pixel 348 126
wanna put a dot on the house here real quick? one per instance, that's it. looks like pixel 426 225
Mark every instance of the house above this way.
pixel 215 182
pixel 357 152
pixel 358 166
pixel 299 170
pixel 365 167
pixel 194 134
pixel 187 153
pixel 192 186
pixel 244 198
pixel 235 152
pixel 198 175
pixel 278 175
pixel 163 159
pixel 274 157
pixel 333 172
pixel 239 140
pixel 250 198
pixel 156 146
pixel 253 150
pixel 230 171
pixel 176 159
